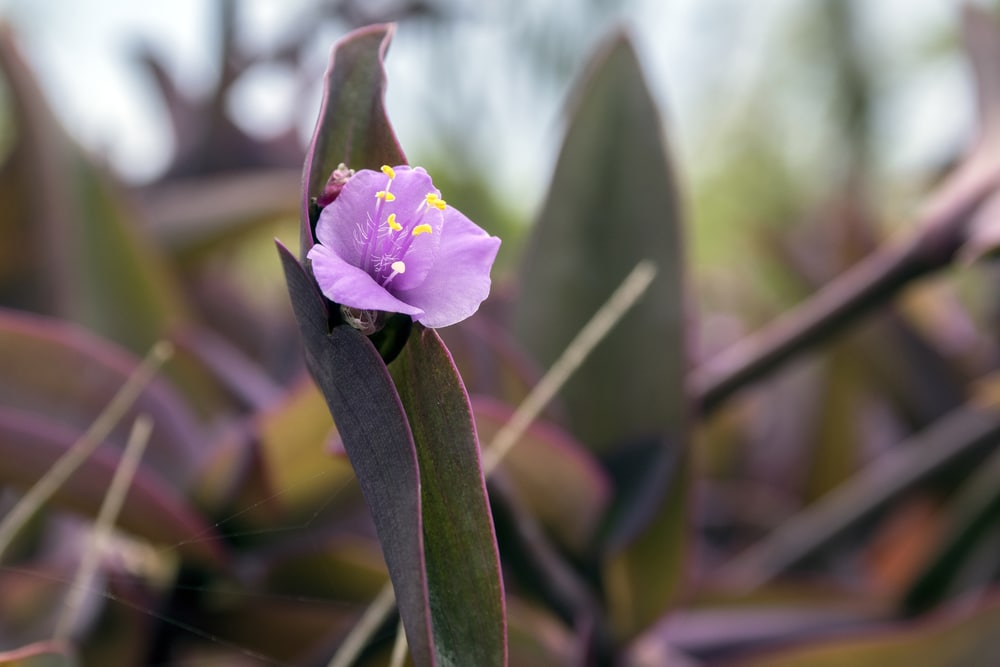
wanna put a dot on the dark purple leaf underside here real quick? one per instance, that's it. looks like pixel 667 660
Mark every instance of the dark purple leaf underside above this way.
pixel 376 435
pixel 352 127
pixel 463 566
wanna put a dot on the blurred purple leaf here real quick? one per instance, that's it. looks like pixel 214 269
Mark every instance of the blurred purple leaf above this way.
pixel 193 216
pixel 963 636
pixel 979 173
pixel 66 374
pixel 965 556
pixel 558 480
pixel 488 359
pixel 612 203
pixel 537 639
pixel 153 508
pixel 274 629
pixel 463 565
pixel 80 252
pixel 714 634
pixel 963 438
pixel 345 566
pixel 206 139
pixel 294 436
pixel 41 654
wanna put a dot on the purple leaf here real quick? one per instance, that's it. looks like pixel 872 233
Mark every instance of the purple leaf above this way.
pixel 378 441
pixel 49 653
pixel 53 368
pixel 76 250
pixel 352 128
pixel 153 508
pixel 963 636
pixel 557 479
pixel 613 202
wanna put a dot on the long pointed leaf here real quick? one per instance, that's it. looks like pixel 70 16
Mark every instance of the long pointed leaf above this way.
pixel 79 253
pixel 463 565
pixel 378 441
pixel 612 203
pixel 352 127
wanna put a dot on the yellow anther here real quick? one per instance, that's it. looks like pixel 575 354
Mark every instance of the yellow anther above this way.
pixel 422 229
pixel 386 195
pixel 389 171
pixel 398 266
pixel 393 225
pixel 434 200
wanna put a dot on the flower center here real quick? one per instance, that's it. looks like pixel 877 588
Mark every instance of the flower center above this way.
pixel 396 235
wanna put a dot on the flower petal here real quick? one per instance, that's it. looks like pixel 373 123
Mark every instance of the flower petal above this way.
pixel 343 226
pixel 350 286
pixel 460 279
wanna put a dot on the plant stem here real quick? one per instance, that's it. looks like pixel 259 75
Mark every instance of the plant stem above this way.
pixel 103 525
pixel 399 648
pixel 371 620
pixel 620 301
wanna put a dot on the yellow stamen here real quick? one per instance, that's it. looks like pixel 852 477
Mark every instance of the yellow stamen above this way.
pixel 393 225
pixel 422 229
pixel 434 200
pixel 389 171
pixel 398 266
pixel 386 195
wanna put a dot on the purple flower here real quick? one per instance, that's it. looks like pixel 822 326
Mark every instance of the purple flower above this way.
pixel 389 243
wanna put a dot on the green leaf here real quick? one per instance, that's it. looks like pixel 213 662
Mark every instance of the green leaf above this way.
pixel 294 437
pixel 612 203
pixel 463 565
pixel 352 127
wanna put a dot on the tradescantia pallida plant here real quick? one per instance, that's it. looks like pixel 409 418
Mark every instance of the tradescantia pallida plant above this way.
pixel 626 407
pixel 521 483
pixel 389 248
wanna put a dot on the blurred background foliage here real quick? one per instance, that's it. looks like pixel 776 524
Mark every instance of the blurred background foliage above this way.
pixel 156 152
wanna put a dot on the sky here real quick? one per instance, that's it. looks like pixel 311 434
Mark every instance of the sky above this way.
pixel 692 50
